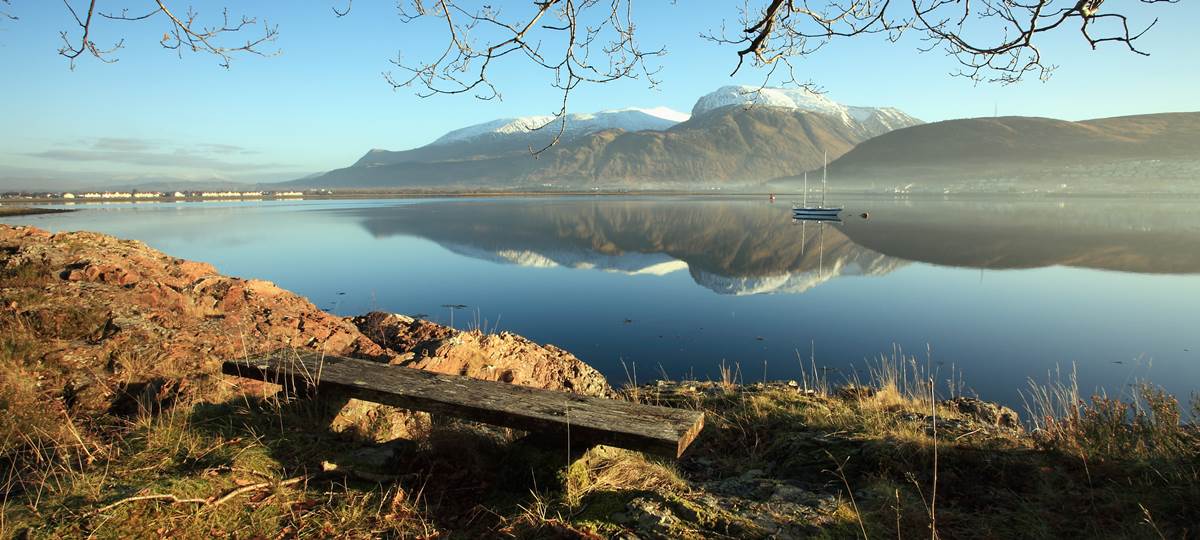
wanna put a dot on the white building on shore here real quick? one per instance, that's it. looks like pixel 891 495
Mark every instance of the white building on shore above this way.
pixel 231 194
pixel 108 195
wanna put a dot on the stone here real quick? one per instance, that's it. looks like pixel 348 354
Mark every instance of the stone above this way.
pixel 135 315
pixel 504 357
pixel 852 391
pixel 986 412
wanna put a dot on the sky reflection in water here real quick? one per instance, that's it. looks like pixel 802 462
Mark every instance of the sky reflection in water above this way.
pixel 1001 290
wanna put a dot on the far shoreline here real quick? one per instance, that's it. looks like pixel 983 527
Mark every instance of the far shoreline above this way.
pixel 8 205
pixel 11 211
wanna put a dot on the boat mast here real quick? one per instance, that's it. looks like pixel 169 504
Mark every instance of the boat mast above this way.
pixel 805 190
pixel 821 252
pixel 824 174
pixel 803 236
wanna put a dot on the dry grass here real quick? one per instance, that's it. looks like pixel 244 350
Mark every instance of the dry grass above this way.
pixel 1145 427
pixel 730 376
pixel 224 463
pixel 604 470
pixel 199 470
pixel 1088 468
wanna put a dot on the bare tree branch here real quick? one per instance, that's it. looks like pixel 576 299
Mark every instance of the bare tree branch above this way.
pixel 5 14
pixel 595 41
pixel 184 32
pixel 993 40
pixel 577 41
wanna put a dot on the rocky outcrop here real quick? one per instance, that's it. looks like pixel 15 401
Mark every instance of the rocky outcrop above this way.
pixel 106 315
pixel 504 356
pixel 984 411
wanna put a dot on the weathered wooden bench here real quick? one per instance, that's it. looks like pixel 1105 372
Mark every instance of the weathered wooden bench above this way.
pixel 584 420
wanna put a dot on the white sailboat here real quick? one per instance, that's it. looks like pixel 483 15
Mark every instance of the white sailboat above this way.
pixel 804 211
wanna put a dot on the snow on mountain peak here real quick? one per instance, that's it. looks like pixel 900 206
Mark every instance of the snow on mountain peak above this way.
pixel 885 118
pixel 666 113
pixel 790 98
pixel 628 119
pixel 871 120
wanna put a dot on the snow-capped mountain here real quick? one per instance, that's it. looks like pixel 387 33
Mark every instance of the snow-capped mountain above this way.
pixel 661 264
pixel 629 119
pixel 631 263
pixel 800 281
pixel 875 120
pixel 649 148
pixel 880 120
pixel 788 98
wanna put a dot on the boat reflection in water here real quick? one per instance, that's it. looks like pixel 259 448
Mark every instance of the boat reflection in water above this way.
pixel 1005 289
pixel 729 247
pixel 745 247
pixel 820 220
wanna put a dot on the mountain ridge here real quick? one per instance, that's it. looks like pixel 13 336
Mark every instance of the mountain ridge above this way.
pixel 729 147
pixel 727 141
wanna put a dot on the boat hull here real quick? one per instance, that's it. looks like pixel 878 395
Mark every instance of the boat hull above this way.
pixel 823 218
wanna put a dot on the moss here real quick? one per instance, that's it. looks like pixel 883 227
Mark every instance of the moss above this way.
pixel 709 518
pixel 601 506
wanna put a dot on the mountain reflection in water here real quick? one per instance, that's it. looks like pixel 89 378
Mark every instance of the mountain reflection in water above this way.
pixel 728 248
pixel 1004 290
pixel 747 247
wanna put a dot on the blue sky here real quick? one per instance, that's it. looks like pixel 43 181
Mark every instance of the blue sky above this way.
pixel 322 102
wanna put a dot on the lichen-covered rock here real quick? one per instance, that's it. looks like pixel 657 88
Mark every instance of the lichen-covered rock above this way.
pixel 986 412
pixel 113 316
pixel 504 357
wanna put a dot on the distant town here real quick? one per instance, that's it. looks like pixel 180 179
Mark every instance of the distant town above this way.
pixel 147 196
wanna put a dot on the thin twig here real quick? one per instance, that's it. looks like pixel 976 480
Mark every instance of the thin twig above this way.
pixel 206 502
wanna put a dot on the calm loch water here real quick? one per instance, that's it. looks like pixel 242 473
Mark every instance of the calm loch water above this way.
pixel 999 291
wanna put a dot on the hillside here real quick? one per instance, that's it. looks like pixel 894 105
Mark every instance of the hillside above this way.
pixel 729 146
pixel 1007 153
pixel 735 136
pixel 515 136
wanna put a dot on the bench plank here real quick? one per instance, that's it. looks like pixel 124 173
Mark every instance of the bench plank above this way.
pixel 585 419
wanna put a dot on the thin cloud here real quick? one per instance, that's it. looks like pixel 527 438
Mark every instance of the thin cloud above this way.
pixel 219 148
pixel 120 144
pixel 178 158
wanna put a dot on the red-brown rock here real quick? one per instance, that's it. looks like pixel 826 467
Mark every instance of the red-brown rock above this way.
pixel 112 312
pixel 504 357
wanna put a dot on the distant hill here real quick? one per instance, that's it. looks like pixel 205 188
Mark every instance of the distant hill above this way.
pixel 730 140
pixel 1119 233
pixel 1129 153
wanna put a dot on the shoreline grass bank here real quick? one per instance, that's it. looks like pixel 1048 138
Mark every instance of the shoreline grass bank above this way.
pixel 777 460
pixel 109 429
